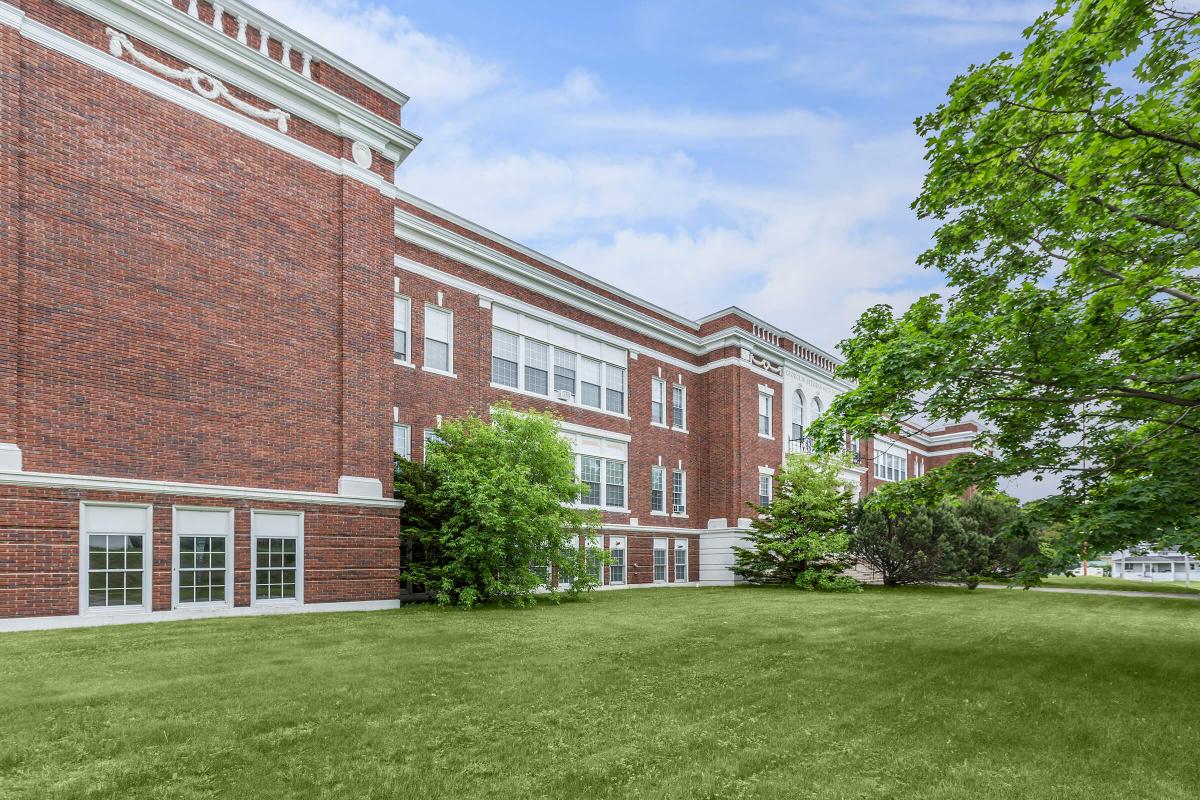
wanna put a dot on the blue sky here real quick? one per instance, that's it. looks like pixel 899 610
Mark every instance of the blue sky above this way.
pixel 700 154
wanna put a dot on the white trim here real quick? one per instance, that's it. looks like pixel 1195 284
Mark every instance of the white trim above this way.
pixel 298 600
pixel 550 398
pixel 97 483
pixel 571 427
pixel 10 457
pixel 766 470
pixel 229 555
pixel 147 603
pixel 14 624
pixel 185 98
pixel 441 372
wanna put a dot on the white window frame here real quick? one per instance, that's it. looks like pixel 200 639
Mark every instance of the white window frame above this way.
pixel 658 385
pixel 229 555
pixel 396 427
pixel 613 542
pixel 407 360
pixel 769 482
pixel 679 510
pixel 766 415
pixel 430 307
pixel 675 563
pixel 682 407
pixel 147 603
pixel 255 535
pixel 890 465
pixel 666 561
pixel 661 472
pixel 603 506
pixel 551 394
pixel 427 434
pixel 595 542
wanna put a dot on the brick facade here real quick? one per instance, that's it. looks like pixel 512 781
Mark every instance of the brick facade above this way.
pixel 196 312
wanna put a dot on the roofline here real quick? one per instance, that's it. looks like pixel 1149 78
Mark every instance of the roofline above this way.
pixel 741 312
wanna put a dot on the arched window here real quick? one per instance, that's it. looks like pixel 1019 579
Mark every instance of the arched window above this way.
pixel 816 407
pixel 797 415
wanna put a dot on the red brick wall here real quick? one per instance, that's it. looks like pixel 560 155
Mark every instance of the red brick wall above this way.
pixel 11 99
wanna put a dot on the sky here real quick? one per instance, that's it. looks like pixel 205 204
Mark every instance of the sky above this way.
pixel 698 154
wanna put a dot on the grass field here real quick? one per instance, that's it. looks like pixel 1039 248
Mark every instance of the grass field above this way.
pixel 1119 584
pixel 685 693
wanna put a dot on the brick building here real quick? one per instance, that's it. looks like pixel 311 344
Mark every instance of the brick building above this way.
pixel 219 315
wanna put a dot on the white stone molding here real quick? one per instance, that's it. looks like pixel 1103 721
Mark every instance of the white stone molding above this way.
pixel 203 84
pixel 10 457
pixel 355 486
pixel 362 155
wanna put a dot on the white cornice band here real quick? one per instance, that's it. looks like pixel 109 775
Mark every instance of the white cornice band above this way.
pixel 51 480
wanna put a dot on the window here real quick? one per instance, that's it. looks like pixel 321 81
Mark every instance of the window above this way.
pixel 203 556
pixel 681 561
pixel 678 408
pixel 614 484
pixel 116 556
pixel 438 336
pixel 277 540
pixel 890 466
pixel 614 389
pixel 594 567
pixel 816 408
pixel 589 382
pixel 678 492
pixel 400 328
pixel 427 436
pixel 764 414
pixel 537 367
pixel 764 490
pixel 660 560
pixel 658 479
pixel 589 475
pixel 570 555
pixel 439 328
pixel 616 567
pixel 797 415
pixel 564 373
pixel 658 401
pixel 505 354
pixel 402 441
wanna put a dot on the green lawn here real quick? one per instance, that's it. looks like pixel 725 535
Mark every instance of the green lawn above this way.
pixel 686 693
pixel 1101 582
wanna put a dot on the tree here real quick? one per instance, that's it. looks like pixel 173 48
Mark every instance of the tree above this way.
pixel 489 512
pixel 964 553
pixel 990 538
pixel 899 545
pixel 802 537
pixel 1066 189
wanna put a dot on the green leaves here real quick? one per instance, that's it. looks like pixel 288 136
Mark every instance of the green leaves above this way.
pixel 1066 187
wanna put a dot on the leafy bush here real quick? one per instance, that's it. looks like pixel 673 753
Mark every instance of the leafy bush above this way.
pixel 802 537
pixel 488 514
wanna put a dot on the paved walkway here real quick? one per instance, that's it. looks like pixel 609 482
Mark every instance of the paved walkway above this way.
pixel 1111 592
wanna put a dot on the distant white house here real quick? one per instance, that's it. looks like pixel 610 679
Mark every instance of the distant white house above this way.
pixel 1155 565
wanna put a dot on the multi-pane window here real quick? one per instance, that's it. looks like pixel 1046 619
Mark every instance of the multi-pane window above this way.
pixel 660 560
pixel 537 367
pixel 681 560
pixel 764 490
pixel 678 492
pixel 427 436
pixel 614 389
pixel 594 566
pixel 116 564
pixel 890 466
pixel 816 408
pixel 658 401
pixel 570 556
pixel 202 564
pixel 589 476
pixel 564 372
pixel 603 480
pixel 527 365
pixel 616 567
pixel 116 556
pixel 401 441
pixel 658 479
pixel 589 382
pixel 765 413
pixel 278 556
pixel 678 408
pixel 439 327
pixel 400 328
pixel 505 355
pixel 797 415
pixel 614 483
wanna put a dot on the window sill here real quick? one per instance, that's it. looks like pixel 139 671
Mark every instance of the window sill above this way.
pixel 551 399
pixel 654 424
pixel 679 430
pixel 679 516
pixel 291 601
pixel 659 514
pixel 768 438
pixel 121 610
pixel 433 371
pixel 400 363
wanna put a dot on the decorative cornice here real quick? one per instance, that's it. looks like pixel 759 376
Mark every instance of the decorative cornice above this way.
pixel 162 26
pixel 204 85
